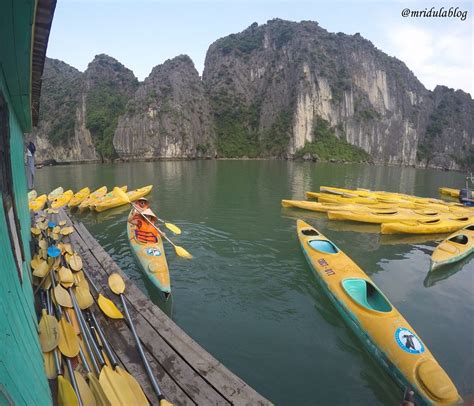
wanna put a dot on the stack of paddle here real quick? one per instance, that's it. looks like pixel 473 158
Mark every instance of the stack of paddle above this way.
pixel 76 350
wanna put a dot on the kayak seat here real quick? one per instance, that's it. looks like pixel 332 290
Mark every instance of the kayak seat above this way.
pixel 324 246
pixel 460 239
pixel 366 294
pixel 309 231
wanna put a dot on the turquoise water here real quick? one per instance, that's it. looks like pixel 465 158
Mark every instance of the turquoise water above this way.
pixel 250 298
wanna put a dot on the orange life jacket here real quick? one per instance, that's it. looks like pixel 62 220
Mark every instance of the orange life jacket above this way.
pixel 145 232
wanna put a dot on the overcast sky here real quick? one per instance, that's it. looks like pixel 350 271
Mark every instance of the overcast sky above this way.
pixel 144 33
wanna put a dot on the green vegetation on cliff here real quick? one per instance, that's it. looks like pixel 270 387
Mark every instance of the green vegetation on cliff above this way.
pixel 105 103
pixel 328 146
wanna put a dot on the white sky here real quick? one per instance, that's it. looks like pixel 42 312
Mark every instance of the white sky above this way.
pixel 144 33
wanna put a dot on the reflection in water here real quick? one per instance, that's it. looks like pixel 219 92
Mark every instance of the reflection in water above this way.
pixel 249 297
pixel 388 239
pixel 444 272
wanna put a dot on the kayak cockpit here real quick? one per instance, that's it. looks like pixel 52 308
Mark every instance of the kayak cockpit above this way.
pixel 309 231
pixel 323 246
pixel 460 239
pixel 367 295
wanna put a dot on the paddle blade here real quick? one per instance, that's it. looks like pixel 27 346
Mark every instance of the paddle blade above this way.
pixel 116 283
pixel 65 276
pixel 66 394
pixel 115 387
pixel 180 251
pixel 87 397
pixel 41 270
pixel 175 229
pixel 164 402
pixel 121 195
pixel 139 397
pixel 49 365
pixel 83 297
pixel 75 262
pixel 53 251
pixel 61 296
pixel 48 332
pixel 68 342
pixel 109 308
pixel 98 391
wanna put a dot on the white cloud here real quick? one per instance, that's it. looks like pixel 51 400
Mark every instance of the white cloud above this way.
pixel 436 57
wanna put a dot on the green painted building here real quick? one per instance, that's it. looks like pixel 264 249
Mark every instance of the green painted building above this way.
pixel 24 33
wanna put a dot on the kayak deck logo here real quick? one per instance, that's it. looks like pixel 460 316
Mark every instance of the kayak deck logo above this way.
pixel 408 341
pixel 153 252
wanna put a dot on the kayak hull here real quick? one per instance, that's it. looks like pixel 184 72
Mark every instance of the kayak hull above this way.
pixel 62 200
pixel 89 200
pixel 38 203
pixel 115 201
pixel 375 321
pixel 426 227
pixel 55 193
pixel 79 197
pixel 152 260
pixel 457 246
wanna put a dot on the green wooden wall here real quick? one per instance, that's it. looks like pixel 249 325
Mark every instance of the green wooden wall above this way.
pixel 22 378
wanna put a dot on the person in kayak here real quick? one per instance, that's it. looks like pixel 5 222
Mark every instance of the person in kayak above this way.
pixel 145 232
pixel 143 203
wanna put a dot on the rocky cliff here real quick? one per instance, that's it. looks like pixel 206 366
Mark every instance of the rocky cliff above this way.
pixel 168 117
pixel 287 76
pixel 282 89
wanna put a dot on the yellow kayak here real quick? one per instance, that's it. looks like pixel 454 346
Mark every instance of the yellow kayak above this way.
pixel 452 192
pixel 377 323
pixel 116 201
pixel 454 248
pixel 325 207
pixel 97 194
pixel 38 203
pixel 62 200
pixel 77 199
pixel 107 196
pixel 32 195
pixel 435 226
pixel 55 193
pixel 152 259
pixel 385 216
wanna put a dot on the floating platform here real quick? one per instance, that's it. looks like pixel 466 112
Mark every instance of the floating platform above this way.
pixel 187 374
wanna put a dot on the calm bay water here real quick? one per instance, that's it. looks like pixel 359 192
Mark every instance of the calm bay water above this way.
pixel 249 296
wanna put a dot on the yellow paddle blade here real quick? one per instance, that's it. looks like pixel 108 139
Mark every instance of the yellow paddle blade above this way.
pixel 87 397
pixel 73 318
pixel 164 402
pixel 66 394
pixel 61 296
pixel 56 230
pixel 35 262
pixel 116 283
pixel 42 270
pixel 42 225
pixel 67 248
pixel 138 395
pixel 62 223
pixel 109 308
pixel 43 244
pixel 50 365
pixel 67 230
pixel 68 342
pixel 55 236
pixel 65 276
pixel 121 194
pixel 115 387
pixel 83 297
pixel 75 262
pixel 35 231
pixel 180 251
pixel 99 394
pixel 48 332
pixel 173 228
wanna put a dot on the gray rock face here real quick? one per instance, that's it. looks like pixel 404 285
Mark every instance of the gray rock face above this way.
pixel 263 91
pixel 299 69
pixel 62 134
pixel 169 116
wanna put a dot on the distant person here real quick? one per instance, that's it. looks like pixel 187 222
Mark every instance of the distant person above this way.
pixel 145 232
pixel 30 164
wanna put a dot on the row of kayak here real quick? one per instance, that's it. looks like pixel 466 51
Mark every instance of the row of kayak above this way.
pixel 378 324
pixel 452 192
pixel 98 200
pixel 397 213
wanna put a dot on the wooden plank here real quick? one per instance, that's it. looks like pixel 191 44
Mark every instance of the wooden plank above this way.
pixel 229 385
pixel 163 357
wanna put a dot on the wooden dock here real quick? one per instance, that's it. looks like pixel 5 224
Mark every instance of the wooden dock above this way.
pixel 187 374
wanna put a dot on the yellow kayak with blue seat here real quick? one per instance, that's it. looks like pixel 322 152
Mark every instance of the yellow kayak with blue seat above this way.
pixel 376 322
